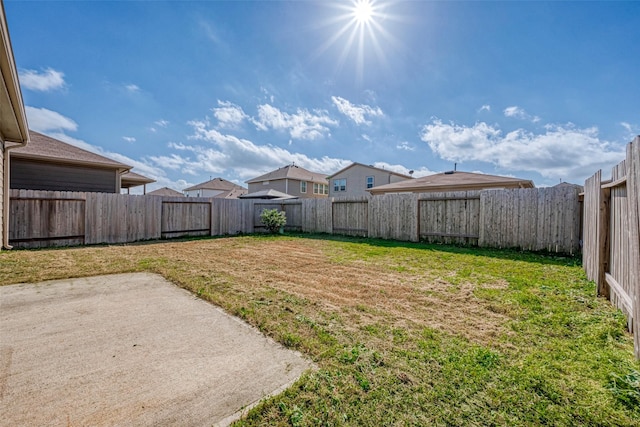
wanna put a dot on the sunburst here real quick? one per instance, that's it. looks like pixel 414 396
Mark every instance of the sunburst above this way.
pixel 359 31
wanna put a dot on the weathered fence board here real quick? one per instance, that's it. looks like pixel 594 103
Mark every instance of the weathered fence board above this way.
pixel 317 215
pixel 529 219
pixel 452 218
pixel 180 217
pixel 611 253
pixel 393 216
pixel 44 218
pixel 351 216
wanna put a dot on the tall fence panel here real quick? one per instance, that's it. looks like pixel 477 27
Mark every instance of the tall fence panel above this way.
pixel 451 218
pixel 44 218
pixel 531 219
pixel 317 215
pixel 633 186
pixel 186 217
pixel 232 217
pixel 112 218
pixel 351 216
pixel 611 253
pixel 393 216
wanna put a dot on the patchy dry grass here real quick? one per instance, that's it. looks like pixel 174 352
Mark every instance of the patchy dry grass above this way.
pixel 402 333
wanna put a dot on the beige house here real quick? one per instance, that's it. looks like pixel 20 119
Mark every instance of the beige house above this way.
pixel 293 181
pixel 166 192
pixel 217 187
pixel 452 181
pixel 357 178
pixel 14 131
pixel 52 165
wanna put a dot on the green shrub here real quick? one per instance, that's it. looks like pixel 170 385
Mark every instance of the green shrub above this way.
pixel 273 219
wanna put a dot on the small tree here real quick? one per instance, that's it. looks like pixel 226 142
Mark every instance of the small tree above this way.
pixel 273 219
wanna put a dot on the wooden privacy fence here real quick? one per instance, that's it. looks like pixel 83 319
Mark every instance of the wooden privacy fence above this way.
pixel 611 255
pixel 531 219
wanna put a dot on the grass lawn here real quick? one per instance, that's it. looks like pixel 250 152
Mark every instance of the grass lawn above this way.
pixel 403 334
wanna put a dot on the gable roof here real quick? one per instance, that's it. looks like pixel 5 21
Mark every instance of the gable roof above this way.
pixel 370 167
pixel 216 184
pixel 165 191
pixel 452 181
pixel 45 148
pixel 291 172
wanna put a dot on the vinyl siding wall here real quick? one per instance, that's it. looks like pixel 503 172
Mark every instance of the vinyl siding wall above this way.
pixel 289 186
pixel 34 175
pixel 1 188
pixel 356 177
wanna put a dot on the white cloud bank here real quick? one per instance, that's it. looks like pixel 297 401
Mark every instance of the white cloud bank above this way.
pixel 562 152
pixel 239 156
pixel 357 113
pixel 43 120
pixel 45 81
pixel 303 124
pixel 229 115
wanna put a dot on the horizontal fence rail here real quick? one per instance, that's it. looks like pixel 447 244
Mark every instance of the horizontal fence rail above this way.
pixel 611 254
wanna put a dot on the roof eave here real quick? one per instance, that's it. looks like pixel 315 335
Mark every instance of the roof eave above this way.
pixel 18 130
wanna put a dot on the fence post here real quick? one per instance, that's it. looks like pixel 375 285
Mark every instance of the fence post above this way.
pixel 633 188
pixel 603 241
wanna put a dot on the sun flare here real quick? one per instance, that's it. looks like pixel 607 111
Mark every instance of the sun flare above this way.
pixel 363 11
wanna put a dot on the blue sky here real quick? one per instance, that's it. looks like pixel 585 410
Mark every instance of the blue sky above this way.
pixel 185 91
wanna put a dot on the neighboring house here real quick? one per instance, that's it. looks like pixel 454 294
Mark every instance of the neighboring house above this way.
pixel 452 181
pixel 292 180
pixel 217 187
pixel 129 180
pixel 165 191
pixel 14 131
pixel 357 178
pixel 49 164
pixel 268 195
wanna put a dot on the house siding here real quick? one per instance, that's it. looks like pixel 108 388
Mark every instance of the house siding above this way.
pixel 356 177
pixel 1 187
pixel 288 186
pixel 34 175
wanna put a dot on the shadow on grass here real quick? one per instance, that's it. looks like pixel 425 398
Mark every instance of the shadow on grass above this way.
pixel 540 257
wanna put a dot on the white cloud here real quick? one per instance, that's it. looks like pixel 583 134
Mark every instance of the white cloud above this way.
pixel 404 145
pixel 161 123
pixel 45 81
pixel 485 107
pixel 43 120
pixel 403 170
pixel 520 113
pixel 240 156
pixel 229 115
pixel 300 125
pixel 357 113
pixel 561 152
pixel 129 138
pixel 132 88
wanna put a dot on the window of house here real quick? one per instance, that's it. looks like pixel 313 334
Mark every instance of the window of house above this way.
pixel 370 181
pixel 303 186
pixel 340 184
pixel 320 189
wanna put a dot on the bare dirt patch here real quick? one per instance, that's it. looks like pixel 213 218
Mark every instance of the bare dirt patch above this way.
pixel 245 267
